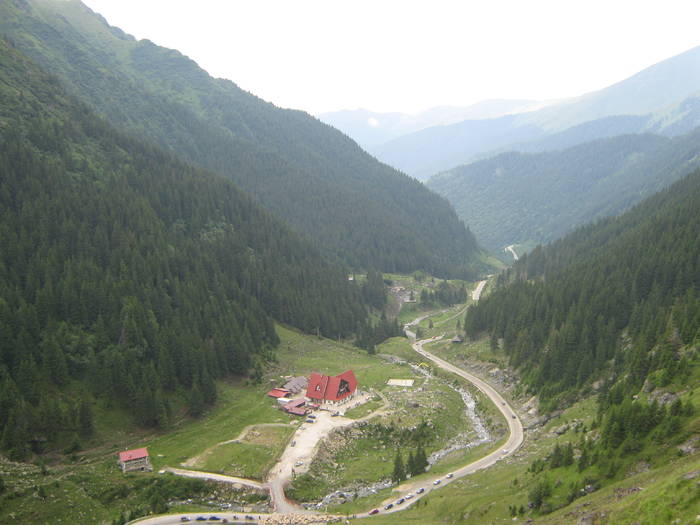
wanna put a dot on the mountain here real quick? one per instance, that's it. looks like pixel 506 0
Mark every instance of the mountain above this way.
pixel 616 300
pixel 129 276
pixel 524 198
pixel 658 92
pixel 351 207
pixel 370 128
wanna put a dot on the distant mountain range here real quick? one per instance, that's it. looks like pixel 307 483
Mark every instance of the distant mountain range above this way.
pixel 371 129
pixel 665 93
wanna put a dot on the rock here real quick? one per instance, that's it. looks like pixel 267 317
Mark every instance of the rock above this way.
pixel 663 397
pixel 560 430
pixel 689 447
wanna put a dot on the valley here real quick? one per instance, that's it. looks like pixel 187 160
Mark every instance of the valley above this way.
pixel 302 447
pixel 217 307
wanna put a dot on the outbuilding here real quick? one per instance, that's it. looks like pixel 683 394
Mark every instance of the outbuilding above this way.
pixel 136 459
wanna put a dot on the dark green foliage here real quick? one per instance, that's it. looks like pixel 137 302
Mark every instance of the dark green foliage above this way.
pixel 128 274
pixel 620 295
pixel 399 473
pixel 444 294
pixel 539 493
pixel 372 334
pixel 373 290
pixel 420 462
pixel 312 176
pixel 519 198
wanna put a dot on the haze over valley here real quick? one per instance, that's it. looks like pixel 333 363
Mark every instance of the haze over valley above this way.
pixel 231 302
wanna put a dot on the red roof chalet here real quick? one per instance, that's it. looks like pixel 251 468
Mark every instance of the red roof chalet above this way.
pixel 331 389
pixel 136 459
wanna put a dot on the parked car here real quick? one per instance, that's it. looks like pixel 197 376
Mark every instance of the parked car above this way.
pixel 311 420
pixel 298 463
pixel 400 501
pixel 389 506
pixel 450 475
pixel 294 443
pixel 513 416
pixel 214 518
pixel 201 518
pixel 409 496
pixel 437 482
pixel 185 518
pixel 420 490
pixel 373 512
pixel 312 416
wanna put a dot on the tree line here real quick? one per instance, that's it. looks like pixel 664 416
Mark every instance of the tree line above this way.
pixel 128 277
pixel 619 296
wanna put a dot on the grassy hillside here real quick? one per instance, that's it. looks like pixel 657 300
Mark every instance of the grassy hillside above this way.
pixel 313 177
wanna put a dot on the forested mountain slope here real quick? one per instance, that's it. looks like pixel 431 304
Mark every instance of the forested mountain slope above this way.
pixel 518 198
pixel 617 300
pixel 126 274
pixel 310 175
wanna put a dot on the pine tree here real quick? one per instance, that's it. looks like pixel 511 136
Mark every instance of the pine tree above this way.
pixel 411 464
pixel 421 461
pixel 86 418
pixel 399 473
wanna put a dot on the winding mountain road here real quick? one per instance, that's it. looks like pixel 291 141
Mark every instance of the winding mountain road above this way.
pixel 511 249
pixel 278 476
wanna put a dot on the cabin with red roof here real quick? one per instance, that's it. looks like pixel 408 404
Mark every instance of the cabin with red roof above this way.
pixel 296 406
pixel 136 459
pixel 279 392
pixel 332 389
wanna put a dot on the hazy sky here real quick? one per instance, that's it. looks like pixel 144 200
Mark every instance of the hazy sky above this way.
pixel 387 55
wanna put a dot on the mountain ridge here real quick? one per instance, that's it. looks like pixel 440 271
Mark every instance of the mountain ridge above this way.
pixel 321 183
pixel 655 89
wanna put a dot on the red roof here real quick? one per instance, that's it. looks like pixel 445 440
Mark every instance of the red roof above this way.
pixel 296 406
pixel 327 388
pixel 278 392
pixel 130 455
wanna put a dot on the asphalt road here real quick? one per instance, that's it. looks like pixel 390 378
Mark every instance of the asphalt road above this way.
pixel 515 438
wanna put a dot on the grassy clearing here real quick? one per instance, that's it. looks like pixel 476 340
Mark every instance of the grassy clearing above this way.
pixel 251 458
pixel 398 346
pixel 239 405
pixel 364 410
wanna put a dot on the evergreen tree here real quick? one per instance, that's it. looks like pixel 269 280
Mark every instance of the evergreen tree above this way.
pixel 399 473
pixel 86 419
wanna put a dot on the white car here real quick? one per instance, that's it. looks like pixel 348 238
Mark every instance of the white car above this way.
pixel 437 482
